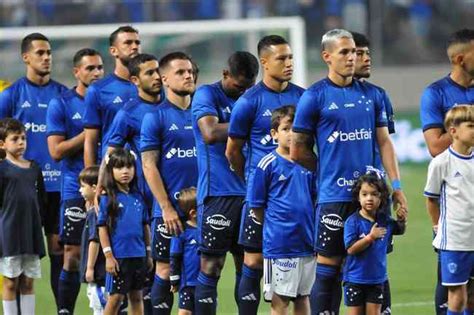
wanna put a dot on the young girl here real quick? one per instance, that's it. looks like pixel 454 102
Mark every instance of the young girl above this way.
pixel 366 237
pixel 124 233
pixel 21 200
pixel 184 257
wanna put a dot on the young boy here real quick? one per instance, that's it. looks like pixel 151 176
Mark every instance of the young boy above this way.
pixel 285 192
pixel 184 259
pixel 449 189
pixel 92 258
pixel 22 196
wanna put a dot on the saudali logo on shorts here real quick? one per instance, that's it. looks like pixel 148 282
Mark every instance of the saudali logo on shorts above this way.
pixel 254 217
pixel 218 222
pixel 75 214
pixel 332 222
pixel 163 231
pixel 285 265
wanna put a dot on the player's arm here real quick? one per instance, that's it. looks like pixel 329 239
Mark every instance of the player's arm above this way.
pixel 361 244
pixel 258 192
pixel 41 193
pixel 59 147
pixel 212 131
pixel 432 205
pixel 390 163
pixel 147 235
pixel 301 150
pixel 6 103
pixel 176 260
pixel 92 254
pixel 157 187
pixel 235 156
pixel 436 140
pixel 91 140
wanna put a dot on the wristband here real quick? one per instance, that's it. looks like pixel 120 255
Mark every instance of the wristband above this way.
pixel 174 277
pixel 396 184
pixel 106 250
pixel 148 248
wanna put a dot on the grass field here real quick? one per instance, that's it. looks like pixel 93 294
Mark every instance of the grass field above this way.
pixel 412 265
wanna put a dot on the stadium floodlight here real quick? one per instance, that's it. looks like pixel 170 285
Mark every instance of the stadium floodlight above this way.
pixel 293 25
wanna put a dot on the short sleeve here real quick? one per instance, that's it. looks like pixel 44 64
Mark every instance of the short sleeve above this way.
pixel 120 129
pixel 241 119
pixel 351 234
pixel 203 104
pixel 150 134
pixel 103 212
pixel 92 118
pixel 258 194
pixel 177 245
pixel 92 234
pixel 55 118
pixel 431 111
pixel 6 103
pixel 380 110
pixel 434 179
pixel 306 115
pixel 389 112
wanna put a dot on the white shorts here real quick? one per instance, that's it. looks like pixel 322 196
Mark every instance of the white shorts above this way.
pixel 14 266
pixel 290 277
pixel 97 297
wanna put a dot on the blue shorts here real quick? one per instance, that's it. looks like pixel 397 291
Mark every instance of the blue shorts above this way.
pixel 330 227
pixel 72 220
pixel 251 231
pixel 186 298
pixel 160 241
pixel 360 294
pixel 131 276
pixel 457 267
pixel 218 225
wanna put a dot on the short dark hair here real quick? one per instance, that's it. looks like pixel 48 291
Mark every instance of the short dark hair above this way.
pixel 177 55
pixel 280 113
pixel 89 175
pixel 360 40
pixel 270 40
pixel 463 36
pixel 28 39
pixel 121 29
pixel 243 63
pixel 134 63
pixel 376 181
pixel 76 60
pixel 187 200
pixel 10 125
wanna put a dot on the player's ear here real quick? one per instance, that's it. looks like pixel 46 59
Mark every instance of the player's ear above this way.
pixel 274 134
pixel 326 56
pixel 113 51
pixel 225 73
pixel 135 80
pixel 25 57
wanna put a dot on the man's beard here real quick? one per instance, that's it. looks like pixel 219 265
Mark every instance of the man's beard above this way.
pixel 181 92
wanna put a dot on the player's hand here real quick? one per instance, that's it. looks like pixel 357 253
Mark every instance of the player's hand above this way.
pixel 402 214
pixel 112 265
pixel 172 222
pixel 90 275
pixel 174 288
pixel 377 232
pixel 399 200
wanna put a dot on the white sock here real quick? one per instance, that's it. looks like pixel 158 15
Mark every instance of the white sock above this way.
pixel 9 308
pixel 27 303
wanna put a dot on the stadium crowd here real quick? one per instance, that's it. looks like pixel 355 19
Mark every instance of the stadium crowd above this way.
pixel 143 182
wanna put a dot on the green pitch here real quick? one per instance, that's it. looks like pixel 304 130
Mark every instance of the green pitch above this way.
pixel 412 265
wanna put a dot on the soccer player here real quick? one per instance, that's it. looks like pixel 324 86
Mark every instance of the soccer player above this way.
pixel 284 194
pixel 250 125
pixel 65 142
pixel 107 96
pixel 220 191
pixel 455 88
pixel 347 119
pixel 362 72
pixel 27 100
pixel 450 205
pixel 169 164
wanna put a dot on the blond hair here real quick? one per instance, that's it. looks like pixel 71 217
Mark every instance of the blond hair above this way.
pixel 187 200
pixel 459 114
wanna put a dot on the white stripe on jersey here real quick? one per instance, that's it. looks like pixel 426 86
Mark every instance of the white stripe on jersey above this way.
pixel 266 160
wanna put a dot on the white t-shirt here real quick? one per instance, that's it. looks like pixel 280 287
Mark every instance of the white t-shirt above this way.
pixel 451 179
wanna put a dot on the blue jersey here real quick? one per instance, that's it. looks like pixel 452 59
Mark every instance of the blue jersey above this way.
pixel 169 130
pixel 64 118
pixel 28 103
pixel 251 120
pixel 215 176
pixel 440 97
pixel 186 246
pixel 370 265
pixel 126 129
pixel 344 122
pixel 127 237
pixel 287 193
pixel 104 98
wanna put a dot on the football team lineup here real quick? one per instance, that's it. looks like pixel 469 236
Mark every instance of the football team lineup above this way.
pixel 139 183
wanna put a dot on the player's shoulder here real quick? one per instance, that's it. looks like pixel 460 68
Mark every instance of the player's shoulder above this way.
pixel 373 86
pixel 354 218
pixel 61 87
pixel 441 159
pixel 439 85
pixel 268 160
pixel 104 82
pixel 319 86
pixel 131 105
pixel 254 91
pixel 296 88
